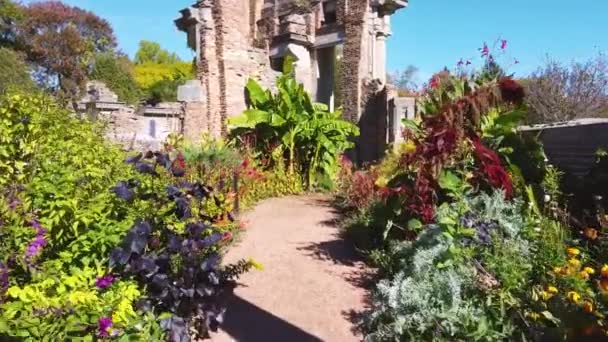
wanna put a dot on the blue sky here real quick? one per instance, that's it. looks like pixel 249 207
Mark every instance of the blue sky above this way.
pixel 429 34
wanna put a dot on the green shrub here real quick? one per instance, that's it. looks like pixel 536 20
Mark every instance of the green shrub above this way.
pixel 14 72
pixel 288 128
pixel 75 262
pixel 116 72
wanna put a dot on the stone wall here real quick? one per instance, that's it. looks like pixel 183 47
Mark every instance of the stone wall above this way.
pixel 136 128
pixel 227 59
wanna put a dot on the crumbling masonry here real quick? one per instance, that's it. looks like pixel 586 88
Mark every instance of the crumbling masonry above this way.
pixel 339 48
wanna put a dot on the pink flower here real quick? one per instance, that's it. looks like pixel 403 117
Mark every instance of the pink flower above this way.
pixel 485 51
pixel 434 83
pixel 503 44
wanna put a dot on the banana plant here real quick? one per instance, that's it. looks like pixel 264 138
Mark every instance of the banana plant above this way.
pixel 311 137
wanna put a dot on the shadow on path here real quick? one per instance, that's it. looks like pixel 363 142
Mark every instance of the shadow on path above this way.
pixel 245 322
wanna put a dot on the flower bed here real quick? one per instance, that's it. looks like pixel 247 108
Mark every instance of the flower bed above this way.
pixel 464 248
pixel 97 244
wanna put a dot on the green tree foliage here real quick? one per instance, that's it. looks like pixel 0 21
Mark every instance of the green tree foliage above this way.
pixel 116 71
pixel 151 52
pixel 14 72
pixel 404 80
pixel 10 15
pixel 158 73
pixel 62 41
pixel 288 124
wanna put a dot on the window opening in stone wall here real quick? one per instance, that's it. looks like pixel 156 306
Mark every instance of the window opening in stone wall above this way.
pixel 329 63
pixel 337 79
pixel 277 64
pixel 329 12
pixel 152 129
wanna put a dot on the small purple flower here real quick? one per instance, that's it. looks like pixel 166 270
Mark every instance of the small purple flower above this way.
pixel 3 280
pixel 105 281
pixel 36 224
pixel 35 247
pixel 103 325
pixel 485 50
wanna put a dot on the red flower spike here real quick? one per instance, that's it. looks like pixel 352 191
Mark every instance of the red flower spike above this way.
pixel 511 91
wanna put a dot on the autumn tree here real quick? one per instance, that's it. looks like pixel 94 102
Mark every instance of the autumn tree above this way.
pixel 61 41
pixel 558 92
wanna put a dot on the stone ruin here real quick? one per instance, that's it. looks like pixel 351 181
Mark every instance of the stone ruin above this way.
pixel 134 127
pixel 339 48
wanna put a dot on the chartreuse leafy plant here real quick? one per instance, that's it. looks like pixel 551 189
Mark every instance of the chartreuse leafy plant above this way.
pixel 288 127
pixel 87 239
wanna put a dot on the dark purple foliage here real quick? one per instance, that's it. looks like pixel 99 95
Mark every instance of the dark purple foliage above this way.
pixel 182 208
pixel 146 168
pixel 123 191
pixel 181 271
pixel 163 160
pixel 135 159
pixel 484 229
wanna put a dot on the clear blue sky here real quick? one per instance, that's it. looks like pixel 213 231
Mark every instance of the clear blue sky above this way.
pixel 429 34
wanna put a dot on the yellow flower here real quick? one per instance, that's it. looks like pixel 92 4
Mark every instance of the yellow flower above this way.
pixel 574 263
pixel 552 289
pixel 584 275
pixel 574 297
pixel 409 147
pixel 589 270
pixel 557 270
pixel 545 295
pixel 533 315
pixel 573 251
pixel 588 307
pixel 604 271
pixel 604 285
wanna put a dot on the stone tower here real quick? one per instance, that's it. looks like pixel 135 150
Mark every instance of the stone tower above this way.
pixel 338 47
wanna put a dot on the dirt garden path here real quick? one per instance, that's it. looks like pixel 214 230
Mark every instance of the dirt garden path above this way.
pixel 312 287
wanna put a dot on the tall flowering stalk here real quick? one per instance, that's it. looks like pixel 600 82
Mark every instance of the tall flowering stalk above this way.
pixel 34 249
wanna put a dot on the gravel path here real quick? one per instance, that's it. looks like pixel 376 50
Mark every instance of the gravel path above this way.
pixel 312 285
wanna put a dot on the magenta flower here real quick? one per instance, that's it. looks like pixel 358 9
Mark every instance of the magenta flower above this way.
pixel 485 51
pixel 468 62
pixel 103 325
pixel 516 61
pixel 503 44
pixel 105 281
pixel 460 62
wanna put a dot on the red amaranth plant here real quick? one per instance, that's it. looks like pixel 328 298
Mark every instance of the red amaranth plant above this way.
pixel 443 131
